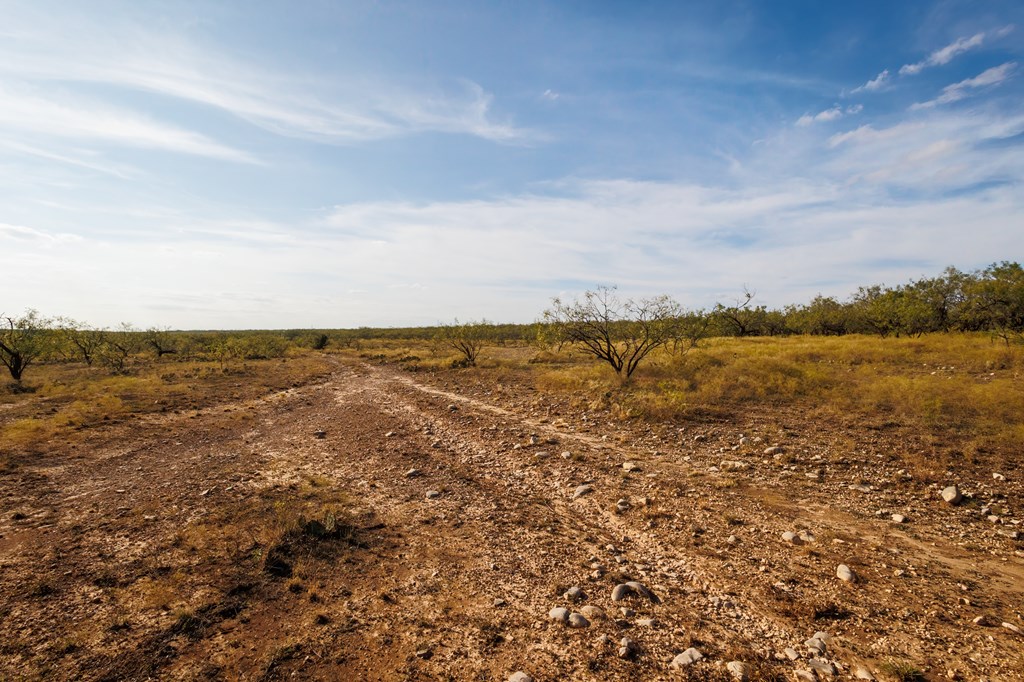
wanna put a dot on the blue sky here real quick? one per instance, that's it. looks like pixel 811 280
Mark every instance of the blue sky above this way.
pixel 332 164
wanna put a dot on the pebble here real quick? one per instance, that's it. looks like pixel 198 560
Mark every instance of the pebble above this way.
pixel 805 676
pixel 952 495
pixel 412 473
pixel 622 505
pixel 320 434
pixel 862 673
pixel 806 536
pixel 792 538
pixel 774 450
pixel 584 489
pixel 739 670
pixel 996 476
pixel 816 646
pixel 647 622
pixel 627 612
pixel 574 594
pixel 899 518
pixel 684 659
pixel 822 667
pixel 627 648
pixel 845 573
pixel 1012 628
pixel 578 620
pixel 593 612
pixel 390 434
pixel 791 653
pixel 519 676
pixel 630 466
pixel 627 589
pixel 560 614
pixel 433 494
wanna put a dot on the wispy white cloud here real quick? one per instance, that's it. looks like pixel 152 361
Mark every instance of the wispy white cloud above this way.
pixel 949 52
pixel 337 110
pixel 82 118
pixel 833 114
pixel 958 91
pixel 28 234
pixel 550 95
pixel 875 84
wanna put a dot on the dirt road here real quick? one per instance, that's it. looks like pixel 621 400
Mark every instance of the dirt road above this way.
pixel 467 511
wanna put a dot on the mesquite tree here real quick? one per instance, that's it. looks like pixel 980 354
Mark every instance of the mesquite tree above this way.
pixel 621 333
pixel 22 340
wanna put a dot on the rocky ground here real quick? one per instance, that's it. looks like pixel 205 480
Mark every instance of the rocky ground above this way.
pixel 385 525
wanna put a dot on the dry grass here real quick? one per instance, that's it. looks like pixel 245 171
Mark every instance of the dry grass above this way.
pixel 64 401
pixel 962 392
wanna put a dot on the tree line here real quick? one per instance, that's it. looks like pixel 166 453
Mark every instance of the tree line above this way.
pixel 620 332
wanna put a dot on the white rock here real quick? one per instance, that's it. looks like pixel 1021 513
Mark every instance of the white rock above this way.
pixel 899 518
pixel 952 495
pixel 631 588
pixel 862 673
pixel 684 659
pixel 593 612
pixel 574 594
pixel 560 614
pixel 845 573
pixel 433 494
pixel 578 620
pixel 792 538
pixel 519 676
pixel 630 466
pixel 582 490
pixel 1012 628
pixel 740 671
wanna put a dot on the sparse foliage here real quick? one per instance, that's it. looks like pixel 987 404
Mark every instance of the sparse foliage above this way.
pixel 621 333
pixel 468 338
pixel 23 340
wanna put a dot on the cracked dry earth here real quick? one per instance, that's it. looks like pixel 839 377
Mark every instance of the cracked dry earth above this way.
pixel 147 557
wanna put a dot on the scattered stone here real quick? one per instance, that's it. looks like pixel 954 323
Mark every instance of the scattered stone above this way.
pixel 632 588
pixel 433 494
pixel 593 612
pixel 390 434
pixel 627 648
pixel 560 614
pixel 1012 628
pixel 983 620
pixel 622 505
pixel 582 490
pixel 993 518
pixel 320 434
pixel 647 622
pixel 952 495
pixel 792 538
pixel 806 536
pixel 542 454
pixel 791 653
pixel 630 466
pixel 774 450
pixel 499 602
pixel 732 540
pixel 861 488
pixel 412 473
pixel 684 659
pixel 425 653
pixel 899 518
pixel 822 667
pixel 805 676
pixel 578 620
pixel 996 476
pixel 816 646
pixel 574 594
pixel 845 573
pixel 862 673
pixel 740 671
pixel 627 612
pixel 699 438
pixel 453 408
pixel 566 455
pixel 519 676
